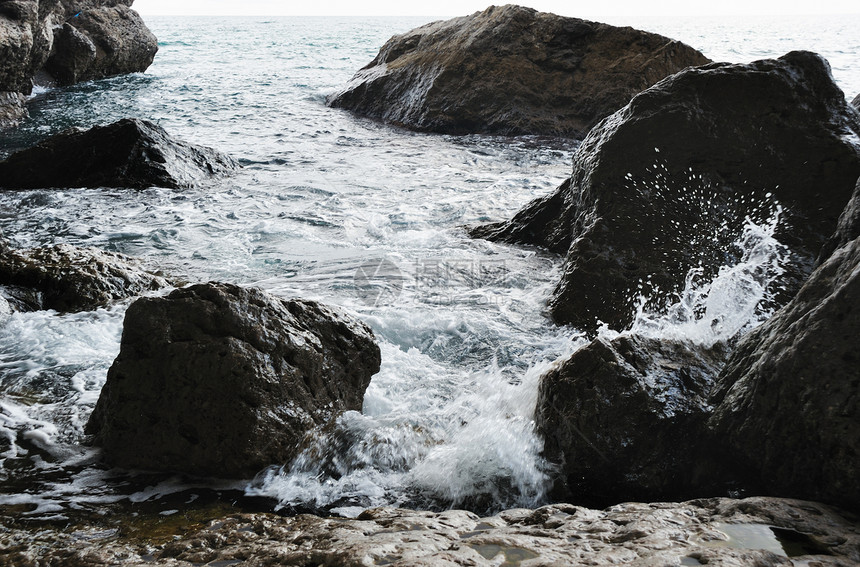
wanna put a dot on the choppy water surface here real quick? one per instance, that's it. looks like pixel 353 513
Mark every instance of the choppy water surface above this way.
pixel 325 200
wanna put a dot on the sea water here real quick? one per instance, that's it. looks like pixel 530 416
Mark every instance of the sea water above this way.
pixel 345 210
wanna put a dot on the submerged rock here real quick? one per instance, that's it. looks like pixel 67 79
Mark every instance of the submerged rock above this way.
pixel 219 380
pixel 624 419
pixel 719 532
pixel 667 184
pixel 788 400
pixel 76 40
pixel 511 70
pixel 67 278
pixel 130 153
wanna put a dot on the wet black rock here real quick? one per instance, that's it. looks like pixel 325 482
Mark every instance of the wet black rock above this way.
pixel 847 229
pixel 131 153
pixel 511 70
pixel 624 420
pixel 666 184
pixel 787 404
pixel 67 278
pixel 856 102
pixel 219 380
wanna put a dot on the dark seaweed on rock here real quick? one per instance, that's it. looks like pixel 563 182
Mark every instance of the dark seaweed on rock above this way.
pixel 511 70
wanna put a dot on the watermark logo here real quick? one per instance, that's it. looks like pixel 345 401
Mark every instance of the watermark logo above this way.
pixel 378 282
pixel 382 282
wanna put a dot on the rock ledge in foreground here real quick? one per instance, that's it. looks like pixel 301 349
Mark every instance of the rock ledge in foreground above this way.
pixel 717 532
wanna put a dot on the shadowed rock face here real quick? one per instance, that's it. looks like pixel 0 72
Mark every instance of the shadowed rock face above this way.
pixel 847 229
pixel 12 109
pixel 787 404
pixel 72 40
pixel 219 380
pixel 130 153
pixel 66 278
pixel 511 70
pixel 856 102
pixel 667 182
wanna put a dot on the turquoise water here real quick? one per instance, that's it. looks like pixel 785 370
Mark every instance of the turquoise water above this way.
pixel 323 197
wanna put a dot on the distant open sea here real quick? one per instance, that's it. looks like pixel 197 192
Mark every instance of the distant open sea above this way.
pixel 323 197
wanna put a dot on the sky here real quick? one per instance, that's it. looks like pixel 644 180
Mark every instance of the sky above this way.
pixel 588 9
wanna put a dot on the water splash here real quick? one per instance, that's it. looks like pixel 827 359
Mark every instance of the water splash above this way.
pixel 430 436
pixel 710 311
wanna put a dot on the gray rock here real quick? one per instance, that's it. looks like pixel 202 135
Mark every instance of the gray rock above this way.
pixel 714 532
pixel 219 380
pixel 67 278
pixel 787 403
pixel 94 39
pixel 12 109
pixel 101 42
pixel 131 153
pixel 856 102
pixel 623 420
pixel 666 183
pixel 511 70
pixel 26 40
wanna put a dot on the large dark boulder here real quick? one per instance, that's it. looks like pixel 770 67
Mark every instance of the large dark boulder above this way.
pixel 787 404
pixel 511 70
pixel 667 184
pixel 219 380
pixel 67 278
pixel 75 40
pixel 623 420
pixel 130 153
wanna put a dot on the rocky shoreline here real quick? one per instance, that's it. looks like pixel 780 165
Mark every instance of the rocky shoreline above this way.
pixel 718 532
pixel 220 381
pixel 62 42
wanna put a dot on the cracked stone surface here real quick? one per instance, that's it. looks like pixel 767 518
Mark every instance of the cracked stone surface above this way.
pixel 715 532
